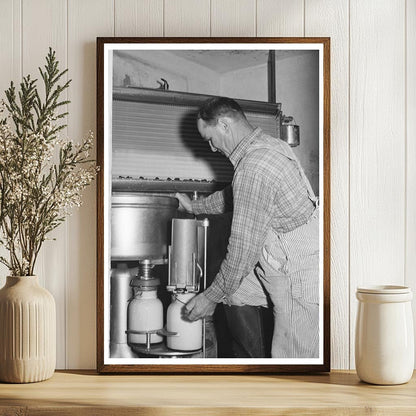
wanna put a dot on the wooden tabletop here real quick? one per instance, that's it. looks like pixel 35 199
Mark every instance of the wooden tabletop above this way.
pixel 86 393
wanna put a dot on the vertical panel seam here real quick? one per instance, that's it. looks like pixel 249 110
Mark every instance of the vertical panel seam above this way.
pixel 304 18
pixel 255 19
pixel 349 187
pixel 210 18
pixel 163 19
pixel 21 40
pixel 67 230
pixel 405 144
pixel 13 32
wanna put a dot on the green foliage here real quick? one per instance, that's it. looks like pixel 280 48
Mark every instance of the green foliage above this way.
pixel 36 194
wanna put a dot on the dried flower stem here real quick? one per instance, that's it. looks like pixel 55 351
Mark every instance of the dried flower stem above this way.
pixel 37 194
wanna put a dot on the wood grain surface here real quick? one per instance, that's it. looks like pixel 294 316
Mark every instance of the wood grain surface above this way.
pixel 187 18
pixel 81 393
pixel 233 18
pixel 280 18
pixel 51 266
pixel 377 149
pixel 410 260
pixel 138 18
pixel 331 18
pixel 85 18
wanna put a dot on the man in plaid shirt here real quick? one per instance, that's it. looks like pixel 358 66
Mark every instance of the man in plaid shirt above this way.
pixel 273 249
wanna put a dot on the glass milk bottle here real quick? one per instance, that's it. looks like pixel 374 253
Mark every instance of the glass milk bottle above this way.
pixel 384 343
pixel 145 313
pixel 189 333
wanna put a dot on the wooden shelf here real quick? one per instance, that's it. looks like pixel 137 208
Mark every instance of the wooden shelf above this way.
pixel 86 393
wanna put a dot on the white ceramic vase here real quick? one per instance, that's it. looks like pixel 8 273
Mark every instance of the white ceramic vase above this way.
pixel 27 331
pixel 384 342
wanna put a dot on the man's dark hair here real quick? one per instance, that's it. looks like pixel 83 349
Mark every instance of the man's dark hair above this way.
pixel 217 107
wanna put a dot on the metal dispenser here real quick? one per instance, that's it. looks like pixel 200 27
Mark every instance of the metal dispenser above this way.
pixel 186 275
pixel 139 241
pixel 184 270
pixel 184 281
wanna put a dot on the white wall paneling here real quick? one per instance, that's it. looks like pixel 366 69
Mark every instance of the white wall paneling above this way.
pixel 233 17
pixel 86 21
pixel 330 18
pixel 280 17
pixel 7 41
pixel 44 25
pixel 411 147
pixel 10 62
pixel 138 17
pixel 10 44
pixel 186 18
pixel 373 126
pixel 377 146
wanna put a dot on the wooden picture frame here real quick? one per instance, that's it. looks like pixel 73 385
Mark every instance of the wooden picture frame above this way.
pixel 125 76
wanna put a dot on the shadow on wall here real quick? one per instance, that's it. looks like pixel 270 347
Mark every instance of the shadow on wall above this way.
pixel 200 149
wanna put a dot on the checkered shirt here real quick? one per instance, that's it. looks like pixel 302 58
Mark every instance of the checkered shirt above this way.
pixel 267 190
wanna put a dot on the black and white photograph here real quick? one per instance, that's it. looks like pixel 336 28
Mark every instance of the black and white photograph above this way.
pixel 213 205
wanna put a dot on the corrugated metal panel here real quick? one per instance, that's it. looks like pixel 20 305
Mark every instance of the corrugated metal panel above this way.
pixel 161 140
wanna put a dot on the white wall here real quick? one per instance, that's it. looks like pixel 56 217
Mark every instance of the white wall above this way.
pixel 246 83
pixel 297 81
pixel 147 67
pixel 297 86
pixel 373 151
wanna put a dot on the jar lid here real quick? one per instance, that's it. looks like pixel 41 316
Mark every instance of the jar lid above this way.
pixel 384 289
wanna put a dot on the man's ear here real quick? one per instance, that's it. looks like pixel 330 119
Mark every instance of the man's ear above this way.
pixel 224 124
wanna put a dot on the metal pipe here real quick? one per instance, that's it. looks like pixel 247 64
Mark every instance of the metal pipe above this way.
pixel 121 293
pixel 151 95
pixel 271 72
pixel 205 224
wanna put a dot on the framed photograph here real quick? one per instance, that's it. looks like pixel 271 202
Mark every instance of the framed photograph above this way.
pixel 213 205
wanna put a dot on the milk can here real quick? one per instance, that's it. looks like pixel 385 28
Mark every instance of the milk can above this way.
pixel 384 342
pixel 189 333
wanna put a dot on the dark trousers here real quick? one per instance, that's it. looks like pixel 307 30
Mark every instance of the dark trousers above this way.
pixel 244 331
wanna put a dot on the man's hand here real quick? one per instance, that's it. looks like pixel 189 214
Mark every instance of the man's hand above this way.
pixel 199 307
pixel 184 202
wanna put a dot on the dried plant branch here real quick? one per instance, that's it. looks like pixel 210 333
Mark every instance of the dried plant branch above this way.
pixel 36 193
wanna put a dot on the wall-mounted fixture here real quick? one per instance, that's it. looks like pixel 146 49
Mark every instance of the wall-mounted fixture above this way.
pixel 290 131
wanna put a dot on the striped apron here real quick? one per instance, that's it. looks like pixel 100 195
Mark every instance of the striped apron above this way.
pixel 287 276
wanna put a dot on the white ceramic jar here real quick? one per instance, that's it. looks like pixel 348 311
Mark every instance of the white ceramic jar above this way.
pixel 384 341
pixel 145 313
pixel 189 334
